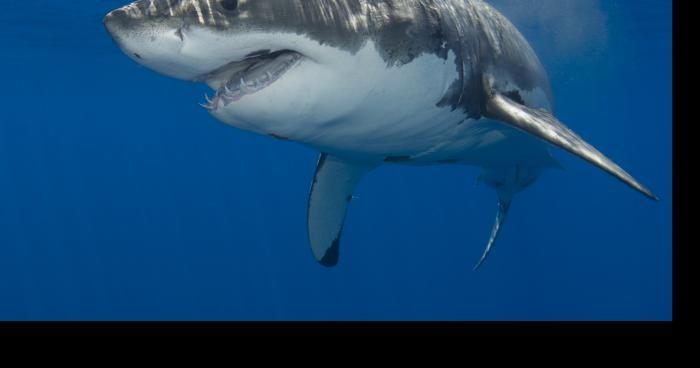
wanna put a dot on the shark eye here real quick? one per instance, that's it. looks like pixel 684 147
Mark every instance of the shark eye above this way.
pixel 229 5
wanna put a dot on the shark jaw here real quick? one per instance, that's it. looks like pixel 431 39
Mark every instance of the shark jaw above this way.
pixel 248 76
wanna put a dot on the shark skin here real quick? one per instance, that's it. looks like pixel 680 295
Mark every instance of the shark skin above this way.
pixel 366 83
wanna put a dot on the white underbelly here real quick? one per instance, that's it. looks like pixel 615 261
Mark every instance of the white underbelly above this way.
pixel 397 117
pixel 374 111
pixel 435 140
pixel 386 110
pixel 409 135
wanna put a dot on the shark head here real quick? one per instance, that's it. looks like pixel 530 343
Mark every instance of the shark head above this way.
pixel 270 62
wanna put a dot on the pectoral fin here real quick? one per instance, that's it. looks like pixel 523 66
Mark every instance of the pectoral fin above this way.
pixel 545 126
pixel 331 192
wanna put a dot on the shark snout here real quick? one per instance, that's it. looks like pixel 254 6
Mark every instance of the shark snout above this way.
pixel 136 13
pixel 113 20
pixel 151 33
pixel 117 25
pixel 144 9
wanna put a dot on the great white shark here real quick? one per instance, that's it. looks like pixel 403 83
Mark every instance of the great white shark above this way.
pixel 366 82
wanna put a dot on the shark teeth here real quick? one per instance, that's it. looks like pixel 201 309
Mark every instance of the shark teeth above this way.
pixel 211 104
pixel 253 79
pixel 245 88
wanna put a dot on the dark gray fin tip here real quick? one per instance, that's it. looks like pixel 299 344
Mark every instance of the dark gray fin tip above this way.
pixel 503 206
pixel 330 259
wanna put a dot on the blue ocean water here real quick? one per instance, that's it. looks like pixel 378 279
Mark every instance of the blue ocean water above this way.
pixel 122 199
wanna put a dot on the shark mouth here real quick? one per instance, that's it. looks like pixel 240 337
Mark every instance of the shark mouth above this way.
pixel 254 73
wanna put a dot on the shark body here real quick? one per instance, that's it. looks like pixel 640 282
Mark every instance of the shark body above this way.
pixel 366 82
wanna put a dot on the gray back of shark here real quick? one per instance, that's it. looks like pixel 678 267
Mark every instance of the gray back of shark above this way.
pixel 254 49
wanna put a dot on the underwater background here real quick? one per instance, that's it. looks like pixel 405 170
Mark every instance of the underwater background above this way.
pixel 122 199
